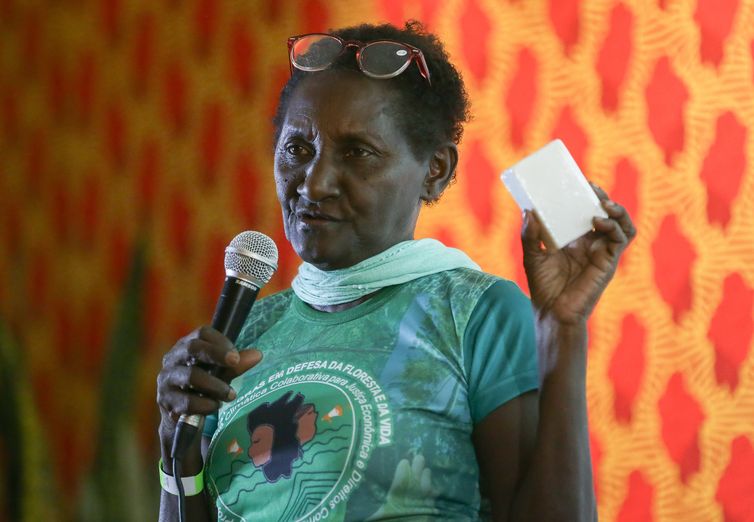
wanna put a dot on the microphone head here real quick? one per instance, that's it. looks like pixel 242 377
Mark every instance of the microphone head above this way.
pixel 251 256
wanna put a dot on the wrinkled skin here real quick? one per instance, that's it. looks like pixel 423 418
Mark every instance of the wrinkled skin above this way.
pixel 347 180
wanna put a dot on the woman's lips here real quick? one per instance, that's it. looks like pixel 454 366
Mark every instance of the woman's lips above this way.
pixel 315 218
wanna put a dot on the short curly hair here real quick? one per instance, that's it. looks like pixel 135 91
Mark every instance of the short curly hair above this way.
pixel 428 115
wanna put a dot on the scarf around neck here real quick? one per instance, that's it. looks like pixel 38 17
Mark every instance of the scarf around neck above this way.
pixel 398 264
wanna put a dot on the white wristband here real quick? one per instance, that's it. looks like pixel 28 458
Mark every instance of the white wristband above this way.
pixel 191 485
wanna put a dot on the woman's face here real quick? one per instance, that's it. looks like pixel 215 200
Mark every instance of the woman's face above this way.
pixel 260 449
pixel 307 424
pixel 347 181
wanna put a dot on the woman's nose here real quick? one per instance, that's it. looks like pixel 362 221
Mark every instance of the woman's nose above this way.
pixel 320 180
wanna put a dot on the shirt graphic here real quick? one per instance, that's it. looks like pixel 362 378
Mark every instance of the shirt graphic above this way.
pixel 303 427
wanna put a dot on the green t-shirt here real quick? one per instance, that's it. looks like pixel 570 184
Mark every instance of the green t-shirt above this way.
pixel 368 413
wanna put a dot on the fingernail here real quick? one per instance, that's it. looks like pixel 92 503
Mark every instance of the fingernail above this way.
pixel 232 394
pixel 232 358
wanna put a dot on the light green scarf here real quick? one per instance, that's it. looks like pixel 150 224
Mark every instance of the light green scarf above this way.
pixel 398 264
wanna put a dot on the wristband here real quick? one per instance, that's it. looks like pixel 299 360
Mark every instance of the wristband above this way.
pixel 191 485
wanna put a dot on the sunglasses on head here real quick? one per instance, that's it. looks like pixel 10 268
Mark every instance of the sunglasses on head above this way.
pixel 380 59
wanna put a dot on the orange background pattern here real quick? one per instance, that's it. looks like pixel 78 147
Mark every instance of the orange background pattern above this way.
pixel 133 128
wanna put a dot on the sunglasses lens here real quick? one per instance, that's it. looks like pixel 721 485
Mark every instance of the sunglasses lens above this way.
pixel 385 59
pixel 315 52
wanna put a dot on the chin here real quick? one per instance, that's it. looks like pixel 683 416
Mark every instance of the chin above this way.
pixel 322 258
pixel 319 249
pixel 326 263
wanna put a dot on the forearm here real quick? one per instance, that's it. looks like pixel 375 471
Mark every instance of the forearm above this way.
pixel 558 484
pixel 198 507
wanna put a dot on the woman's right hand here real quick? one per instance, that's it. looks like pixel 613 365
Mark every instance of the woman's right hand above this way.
pixel 185 384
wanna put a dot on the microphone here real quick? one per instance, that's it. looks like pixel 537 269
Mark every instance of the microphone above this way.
pixel 250 260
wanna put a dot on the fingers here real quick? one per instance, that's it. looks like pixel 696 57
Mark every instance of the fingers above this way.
pixel 247 360
pixel 196 372
pixel 417 466
pixel 190 405
pixel 425 486
pixel 618 227
pixel 616 212
pixel 531 233
pixel 205 345
pixel 177 395
pixel 190 390
pixel 616 238
pixel 601 194
pixel 620 215
pixel 199 380
pixel 402 477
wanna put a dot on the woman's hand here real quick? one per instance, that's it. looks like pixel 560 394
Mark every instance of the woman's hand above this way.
pixel 565 284
pixel 185 384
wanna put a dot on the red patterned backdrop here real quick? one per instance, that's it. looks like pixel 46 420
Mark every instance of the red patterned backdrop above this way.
pixel 135 142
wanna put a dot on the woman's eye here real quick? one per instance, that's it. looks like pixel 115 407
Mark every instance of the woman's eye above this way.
pixel 358 152
pixel 295 150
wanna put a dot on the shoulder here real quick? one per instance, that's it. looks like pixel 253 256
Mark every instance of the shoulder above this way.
pixel 477 290
pixel 504 297
pixel 460 283
pixel 503 314
pixel 499 348
pixel 501 310
pixel 456 295
pixel 466 276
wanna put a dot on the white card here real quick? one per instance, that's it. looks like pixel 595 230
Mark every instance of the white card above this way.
pixel 550 183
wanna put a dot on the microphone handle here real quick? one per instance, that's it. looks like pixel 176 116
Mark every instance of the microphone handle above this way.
pixel 233 307
pixel 237 297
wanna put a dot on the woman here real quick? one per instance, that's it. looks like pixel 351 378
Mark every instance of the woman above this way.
pixel 419 372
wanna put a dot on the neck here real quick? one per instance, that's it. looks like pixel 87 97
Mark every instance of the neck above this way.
pixel 342 306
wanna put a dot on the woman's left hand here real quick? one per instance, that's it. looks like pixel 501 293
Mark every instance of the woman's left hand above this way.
pixel 565 284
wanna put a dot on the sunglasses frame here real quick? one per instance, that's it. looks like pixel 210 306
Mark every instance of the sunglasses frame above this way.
pixel 417 56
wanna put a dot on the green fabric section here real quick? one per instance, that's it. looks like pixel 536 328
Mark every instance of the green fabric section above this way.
pixel 498 348
pixel 305 312
pixel 367 414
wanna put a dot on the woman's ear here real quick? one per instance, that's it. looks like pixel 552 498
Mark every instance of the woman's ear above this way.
pixel 442 167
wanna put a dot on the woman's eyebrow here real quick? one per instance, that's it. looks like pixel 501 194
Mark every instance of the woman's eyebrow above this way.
pixel 296 134
pixel 362 137
pixel 300 126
